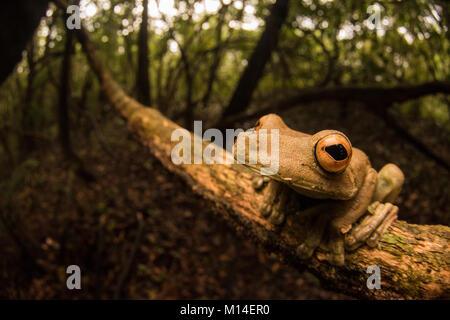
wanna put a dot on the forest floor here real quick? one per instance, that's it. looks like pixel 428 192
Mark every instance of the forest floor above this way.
pixel 138 232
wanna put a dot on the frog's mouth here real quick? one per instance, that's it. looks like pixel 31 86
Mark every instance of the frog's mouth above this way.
pixel 343 188
pixel 263 170
pixel 315 189
pixel 316 192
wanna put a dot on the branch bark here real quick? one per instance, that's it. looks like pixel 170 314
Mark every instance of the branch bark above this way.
pixel 414 260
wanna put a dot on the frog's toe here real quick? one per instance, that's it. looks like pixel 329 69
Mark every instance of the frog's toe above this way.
pixel 265 210
pixel 338 259
pixel 276 210
pixel 337 252
pixel 315 231
pixel 382 228
pixel 307 248
pixel 277 217
pixel 373 226
pixel 258 183
pixel 304 251
pixel 273 212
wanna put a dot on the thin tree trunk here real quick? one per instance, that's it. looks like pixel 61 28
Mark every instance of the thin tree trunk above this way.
pixel 143 78
pixel 217 57
pixel 18 20
pixel 190 105
pixel 27 121
pixel 63 109
pixel 261 55
pixel 4 138
pixel 64 98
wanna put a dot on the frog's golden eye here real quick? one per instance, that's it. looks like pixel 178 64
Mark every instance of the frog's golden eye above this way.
pixel 333 152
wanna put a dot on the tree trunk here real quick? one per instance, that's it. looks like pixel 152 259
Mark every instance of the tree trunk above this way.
pixel 63 109
pixel 64 98
pixel 143 78
pixel 261 55
pixel 414 260
pixel 18 20
pixel 28 142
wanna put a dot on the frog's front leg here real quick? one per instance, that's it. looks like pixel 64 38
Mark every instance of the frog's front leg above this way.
pixel 347 213
pixel 381 212
pixel 275 198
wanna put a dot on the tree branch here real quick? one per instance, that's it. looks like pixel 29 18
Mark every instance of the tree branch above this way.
pixel 414 260
pixel 391 122
pixel 366 95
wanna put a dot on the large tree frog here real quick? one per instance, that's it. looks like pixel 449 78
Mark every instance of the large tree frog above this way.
pixel 348 201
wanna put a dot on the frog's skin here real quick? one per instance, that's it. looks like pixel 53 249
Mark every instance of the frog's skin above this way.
pixel 346 189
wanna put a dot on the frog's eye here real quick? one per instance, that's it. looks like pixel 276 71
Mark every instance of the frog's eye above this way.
pixel 333 152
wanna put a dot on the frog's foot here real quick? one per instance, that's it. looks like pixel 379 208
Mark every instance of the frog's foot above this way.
pixel 259 182
pixel 274 203
pixel 334 246
pixel 277 214
pixel 272 211
pixel 313 239
pixel 270 196
pixel 373 225
pixel 337 250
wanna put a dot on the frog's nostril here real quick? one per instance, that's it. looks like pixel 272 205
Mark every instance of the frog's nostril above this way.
pixel 337 151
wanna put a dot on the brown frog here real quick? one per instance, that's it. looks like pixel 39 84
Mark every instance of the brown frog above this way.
pixel 353 202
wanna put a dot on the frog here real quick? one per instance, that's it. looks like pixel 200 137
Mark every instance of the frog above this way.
pixel 350 203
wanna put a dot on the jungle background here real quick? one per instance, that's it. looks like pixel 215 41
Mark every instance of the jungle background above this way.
pixel 77 188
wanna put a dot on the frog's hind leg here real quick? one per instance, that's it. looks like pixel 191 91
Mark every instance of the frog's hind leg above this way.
pixel 389 183
pixel 278 214
pixel 381 212
pixel 314 235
